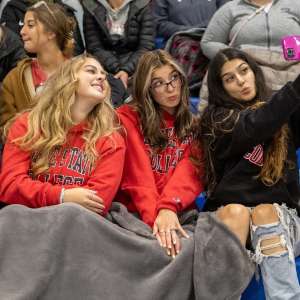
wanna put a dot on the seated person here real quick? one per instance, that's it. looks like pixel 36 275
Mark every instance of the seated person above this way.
pixel 65 148
pixel 118 33
pixel 14 12
pixel 47 33
pixel 268 21
pixel 172 15
pixel 160 179
pixel 251 168
pixel 256 27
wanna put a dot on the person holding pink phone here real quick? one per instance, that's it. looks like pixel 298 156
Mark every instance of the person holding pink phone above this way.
pixel 256 27
pixel 251 166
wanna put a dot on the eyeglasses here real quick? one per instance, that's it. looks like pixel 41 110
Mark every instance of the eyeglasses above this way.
pixel 159 86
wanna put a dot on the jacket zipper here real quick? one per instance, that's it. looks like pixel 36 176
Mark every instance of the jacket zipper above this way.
pixel 268 31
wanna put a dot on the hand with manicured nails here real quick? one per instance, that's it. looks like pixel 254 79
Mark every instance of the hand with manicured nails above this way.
pixel 86 198
pixel 165 229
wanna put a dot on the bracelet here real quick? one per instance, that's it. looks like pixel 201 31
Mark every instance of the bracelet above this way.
pixel 61 197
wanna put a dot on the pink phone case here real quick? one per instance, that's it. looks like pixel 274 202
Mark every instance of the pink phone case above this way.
pixel 291 47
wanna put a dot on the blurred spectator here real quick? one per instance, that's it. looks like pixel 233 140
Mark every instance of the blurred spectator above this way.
pixel 47 32
pixel 177 15
pixel 13 16
pixel 11 51
pixel 118 32
pixel 260 23
pixel 257 27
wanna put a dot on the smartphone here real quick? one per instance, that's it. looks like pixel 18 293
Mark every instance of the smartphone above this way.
pixel 291 47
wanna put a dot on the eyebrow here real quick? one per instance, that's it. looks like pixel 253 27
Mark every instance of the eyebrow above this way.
pixel 95 68
pixel 90 66
pixel 157 78
pixel 243 63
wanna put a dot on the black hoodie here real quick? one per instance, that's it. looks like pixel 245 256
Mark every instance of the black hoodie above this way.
pixel 13 17
pixel 238 155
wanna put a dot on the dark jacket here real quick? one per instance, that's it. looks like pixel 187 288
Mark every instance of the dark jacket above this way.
pixel 13 17
pixel 238 155
pixel 11 51
pixel 124 53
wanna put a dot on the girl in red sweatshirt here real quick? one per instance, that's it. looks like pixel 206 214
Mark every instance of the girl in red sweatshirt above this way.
pixel 159 178
pixel 64 148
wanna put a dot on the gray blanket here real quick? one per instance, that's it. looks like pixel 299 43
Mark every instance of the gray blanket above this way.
pixel 66 252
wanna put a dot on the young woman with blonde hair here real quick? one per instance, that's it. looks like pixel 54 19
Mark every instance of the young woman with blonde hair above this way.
pixel 63 149
pixel 159 179
pixel 251 169
pixel 47 33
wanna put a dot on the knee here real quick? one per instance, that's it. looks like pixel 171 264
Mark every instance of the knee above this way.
pixel 264 214
pixel 235 212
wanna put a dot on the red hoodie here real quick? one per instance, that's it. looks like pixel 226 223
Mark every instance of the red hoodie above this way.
pixel 69 168
pixel 152 181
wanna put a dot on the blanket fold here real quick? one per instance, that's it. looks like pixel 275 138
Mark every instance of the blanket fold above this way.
pixel 66 252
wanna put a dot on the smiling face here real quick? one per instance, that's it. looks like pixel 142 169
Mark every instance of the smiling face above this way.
pixel 238 80
pixel 93 86
pixel 34 35
pixel 166 88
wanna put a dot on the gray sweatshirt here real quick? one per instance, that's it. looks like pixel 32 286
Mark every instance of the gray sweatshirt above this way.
pixel 264 30
pixel 116 18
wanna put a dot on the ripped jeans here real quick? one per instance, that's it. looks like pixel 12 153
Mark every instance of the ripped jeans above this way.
pixel 279 270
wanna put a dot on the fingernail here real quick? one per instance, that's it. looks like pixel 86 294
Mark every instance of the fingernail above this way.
pixel 173 256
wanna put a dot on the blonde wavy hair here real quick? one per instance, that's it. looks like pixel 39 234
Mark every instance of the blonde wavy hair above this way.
pixel 50 119
pixel 146 106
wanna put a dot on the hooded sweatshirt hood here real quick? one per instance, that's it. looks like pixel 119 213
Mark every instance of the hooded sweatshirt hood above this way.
pixel 116 18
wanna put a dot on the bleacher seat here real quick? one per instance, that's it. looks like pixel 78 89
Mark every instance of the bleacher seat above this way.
pixel 160 43
pixel 194 104
pixel 255 290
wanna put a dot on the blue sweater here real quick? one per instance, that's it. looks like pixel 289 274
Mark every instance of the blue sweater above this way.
pixel 178 15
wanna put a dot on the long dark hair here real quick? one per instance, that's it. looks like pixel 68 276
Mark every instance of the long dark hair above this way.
pixel 222 113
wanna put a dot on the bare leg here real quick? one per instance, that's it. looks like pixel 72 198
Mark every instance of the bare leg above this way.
pixel 237 218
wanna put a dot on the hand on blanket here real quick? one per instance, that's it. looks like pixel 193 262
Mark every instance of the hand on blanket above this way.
pixel 165 229
pixel 85 197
